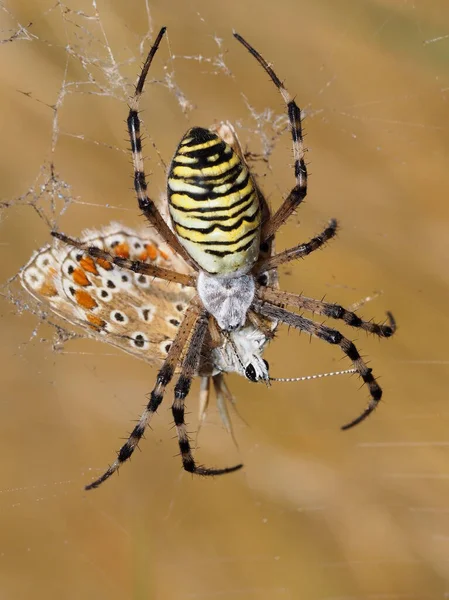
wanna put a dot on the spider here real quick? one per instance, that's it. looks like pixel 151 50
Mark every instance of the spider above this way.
pixel 223 229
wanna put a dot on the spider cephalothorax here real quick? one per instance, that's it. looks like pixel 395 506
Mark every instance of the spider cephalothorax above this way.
pixel 223 232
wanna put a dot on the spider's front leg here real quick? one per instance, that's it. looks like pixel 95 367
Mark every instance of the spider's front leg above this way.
pixel 332 336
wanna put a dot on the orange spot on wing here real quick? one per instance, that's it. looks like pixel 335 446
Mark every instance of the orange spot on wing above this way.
pixel 104 264
pixel 85 300
pixel 164 255
pixel 96 322
pixel 87 263
pixel 143 256
pixel 48 289
pixel 152 251
pixel 80 277
pixel 121 250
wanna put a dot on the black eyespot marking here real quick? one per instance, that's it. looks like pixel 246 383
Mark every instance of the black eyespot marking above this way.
pixel 104 294
pixel 70 269
pixel 45 262
pixel 250 373
pixel 118 316
pixel 167 347
pixel 114 243
pixel 125 278
pixel 79 257
pixel 110 284
pixel 146 314
pixel 174 322
pixel 142 279
pixel 139 341
pixel 137 245
pixel 180 307
pixel 72 290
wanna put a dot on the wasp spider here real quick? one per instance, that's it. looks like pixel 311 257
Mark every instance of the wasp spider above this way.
pixel 222 229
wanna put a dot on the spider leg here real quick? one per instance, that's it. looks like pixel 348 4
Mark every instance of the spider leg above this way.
pixel 298 193
pixel 189 368
pixel 261 324
pixel 125 263
pixel 332 336
pixel 334 311
pixel 215 335
pixel 163 379
pixel 146 204
pixel 299 251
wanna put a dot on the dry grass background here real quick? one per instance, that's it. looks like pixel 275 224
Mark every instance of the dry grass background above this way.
pixel 317 513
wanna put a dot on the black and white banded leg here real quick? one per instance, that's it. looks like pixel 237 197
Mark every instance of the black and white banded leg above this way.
pixel 298 193
pixel 327 309
pixel 299 251
pixel 164 377
pixel 332 336
pixel 136 266
pixel 182 388
pixel 146 204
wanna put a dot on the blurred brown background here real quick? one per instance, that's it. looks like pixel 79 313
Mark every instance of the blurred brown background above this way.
pixel 316 513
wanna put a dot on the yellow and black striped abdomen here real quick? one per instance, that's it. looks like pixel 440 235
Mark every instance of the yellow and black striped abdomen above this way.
pixel 214 204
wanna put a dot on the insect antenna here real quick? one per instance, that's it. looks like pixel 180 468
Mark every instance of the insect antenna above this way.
pixel 308 377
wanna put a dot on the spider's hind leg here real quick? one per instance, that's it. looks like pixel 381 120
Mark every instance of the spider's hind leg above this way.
pixel 327 309
pixel 332 336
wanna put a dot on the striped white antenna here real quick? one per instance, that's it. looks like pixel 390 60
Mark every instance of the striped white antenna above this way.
pixel 308 377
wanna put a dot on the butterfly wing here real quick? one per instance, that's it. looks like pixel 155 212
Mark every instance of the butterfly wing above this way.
pixel 134 312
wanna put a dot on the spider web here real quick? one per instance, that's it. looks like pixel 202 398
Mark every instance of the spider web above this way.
pixel 315 515
pixel 92 69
